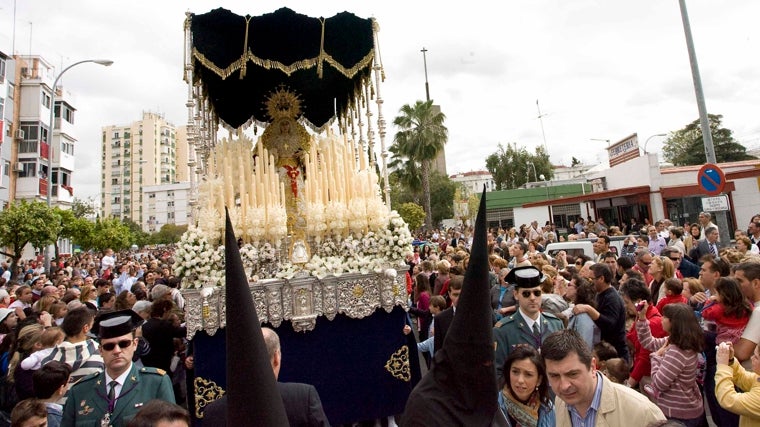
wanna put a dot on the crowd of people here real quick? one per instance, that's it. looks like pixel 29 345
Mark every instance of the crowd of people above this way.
pixel 114 319
pixel 673 315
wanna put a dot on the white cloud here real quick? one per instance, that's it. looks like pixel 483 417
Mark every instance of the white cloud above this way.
pixel 601 69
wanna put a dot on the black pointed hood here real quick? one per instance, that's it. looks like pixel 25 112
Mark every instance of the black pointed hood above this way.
pixel 253 397
pixel 460 388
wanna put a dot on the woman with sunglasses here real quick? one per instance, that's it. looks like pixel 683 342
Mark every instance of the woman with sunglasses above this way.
pixel 524 397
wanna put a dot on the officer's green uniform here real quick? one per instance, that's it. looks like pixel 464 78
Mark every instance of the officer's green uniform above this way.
pixel 87 402
pixel 512 330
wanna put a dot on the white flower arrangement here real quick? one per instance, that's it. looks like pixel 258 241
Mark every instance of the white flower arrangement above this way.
pixel 201 261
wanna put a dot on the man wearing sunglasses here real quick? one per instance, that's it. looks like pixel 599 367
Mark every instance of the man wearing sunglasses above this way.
pixel 114 396
pixel 528 325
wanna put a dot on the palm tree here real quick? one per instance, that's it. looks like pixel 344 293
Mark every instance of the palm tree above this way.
pixel 421 137
pixel 408 173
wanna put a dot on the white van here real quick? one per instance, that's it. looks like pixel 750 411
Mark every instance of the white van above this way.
pixel 584 247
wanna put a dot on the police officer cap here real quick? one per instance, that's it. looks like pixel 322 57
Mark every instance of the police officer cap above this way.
pixel 525 277
pixel 117 323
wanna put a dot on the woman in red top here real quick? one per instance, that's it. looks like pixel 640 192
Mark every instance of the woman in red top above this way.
pixel 634 291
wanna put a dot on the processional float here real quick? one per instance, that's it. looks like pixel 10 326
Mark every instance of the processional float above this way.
pixel 300 99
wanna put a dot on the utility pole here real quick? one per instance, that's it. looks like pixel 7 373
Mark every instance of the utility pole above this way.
pixel 424 61
pixel 720 216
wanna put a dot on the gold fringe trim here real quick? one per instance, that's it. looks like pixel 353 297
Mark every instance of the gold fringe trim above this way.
pixel 245 46
pixel 269 64
pixel 320 60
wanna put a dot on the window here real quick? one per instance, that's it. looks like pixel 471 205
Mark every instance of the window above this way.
pixel 169 194
pixel 152 196
pixel 28 170
pixel 7 168
pixel 115 181
pixel 2 72
pixel 68 148
pixel 116 200
pixel 170 204
pixel 2 108
pixel 46 99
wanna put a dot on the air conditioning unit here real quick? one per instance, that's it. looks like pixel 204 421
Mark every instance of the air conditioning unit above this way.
pixel 20 134
pixel 19 167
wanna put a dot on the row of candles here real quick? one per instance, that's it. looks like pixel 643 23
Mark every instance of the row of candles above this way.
pixel 332 176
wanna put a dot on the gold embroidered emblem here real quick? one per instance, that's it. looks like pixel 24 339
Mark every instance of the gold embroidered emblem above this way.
pixel 86 409
pixel 358 291
pixel 206 391
pixel 398 364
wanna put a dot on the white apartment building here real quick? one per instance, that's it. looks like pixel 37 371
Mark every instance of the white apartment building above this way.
pixel 36 140
pixel 7 86
pixel 142 153
pixel 474 181
pixel 165 204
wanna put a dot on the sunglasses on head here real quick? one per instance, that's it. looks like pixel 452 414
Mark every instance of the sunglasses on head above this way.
pixel 535 292
pixel 109 346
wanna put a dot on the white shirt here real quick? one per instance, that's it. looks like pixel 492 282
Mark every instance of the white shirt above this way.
pixel 121 379
pixel 530 321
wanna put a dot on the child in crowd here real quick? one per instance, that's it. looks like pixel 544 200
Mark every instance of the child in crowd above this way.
pixel 29 412
pixel 437 305
pixel 730 310
pixel 673 290
pixel 616 370
pixel 51 382
pixel 603 351
pixel 50 338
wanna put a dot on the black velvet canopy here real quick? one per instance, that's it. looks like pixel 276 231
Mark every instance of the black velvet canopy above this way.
pixel 239 61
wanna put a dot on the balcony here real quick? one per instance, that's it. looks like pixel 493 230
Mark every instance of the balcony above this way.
pixel 63 193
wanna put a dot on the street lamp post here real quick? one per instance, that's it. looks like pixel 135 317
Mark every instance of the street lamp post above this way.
pixel 647 141
pixel 51 124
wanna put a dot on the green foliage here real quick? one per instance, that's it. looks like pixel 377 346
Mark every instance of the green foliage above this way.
pixel 72 227
pixel 473 204
pixel 686 146
pixel 139 237
pixel 83 208
pixel 575 162
pixel 413 215
pixel 110 233
pixel 169 233
pixel 511 167
pixel 442 190
pixel 421 137
pixel 27 223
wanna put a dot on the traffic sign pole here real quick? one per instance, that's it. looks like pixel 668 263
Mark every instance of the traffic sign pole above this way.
pixel 720 217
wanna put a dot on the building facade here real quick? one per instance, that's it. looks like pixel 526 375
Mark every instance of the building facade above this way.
pixel 473 181
pixel 142 153
pixel 42 144
pixel 7 87
pixel 165 204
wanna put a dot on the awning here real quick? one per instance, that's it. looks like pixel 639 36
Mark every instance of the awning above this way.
pixel 599 195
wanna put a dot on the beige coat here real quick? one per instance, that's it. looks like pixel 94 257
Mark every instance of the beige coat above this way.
pixel 620 407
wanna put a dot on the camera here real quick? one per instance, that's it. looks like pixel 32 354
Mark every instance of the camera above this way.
pixel 640 305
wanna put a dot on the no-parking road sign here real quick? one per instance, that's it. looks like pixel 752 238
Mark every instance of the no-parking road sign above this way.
pixel 711 179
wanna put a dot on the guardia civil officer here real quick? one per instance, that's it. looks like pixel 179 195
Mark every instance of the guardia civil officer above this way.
pixel 113 397
pixel 528 325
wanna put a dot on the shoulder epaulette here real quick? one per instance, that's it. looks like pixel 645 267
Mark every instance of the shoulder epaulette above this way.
pixel 150 370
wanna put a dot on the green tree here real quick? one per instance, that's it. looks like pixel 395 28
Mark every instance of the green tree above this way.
pixel 26 223
pixel 407 174
pixel 575 162
pixel 169 233
pixel 442 190
pixel 512 167
pixel 139 237
pixel 686 146
pixel 421 137
pixel 413 215
pixel 110 233
pixel 473 203
pixel 83 208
